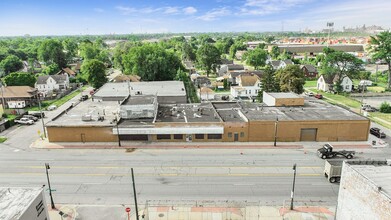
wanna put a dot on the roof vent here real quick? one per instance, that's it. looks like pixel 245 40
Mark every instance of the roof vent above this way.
pixel 86 117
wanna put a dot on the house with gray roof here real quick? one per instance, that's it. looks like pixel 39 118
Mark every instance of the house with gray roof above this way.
pixel 49 83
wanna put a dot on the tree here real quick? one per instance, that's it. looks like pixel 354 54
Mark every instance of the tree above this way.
pixel 385 107
pixel 275 52
pixel 70 45
pixel 51 51
pixel 381 49
pixel 338 64
pixel 291 79
pixel 11 64
pixel 188 52
pixel 51 69
pixel 151 62
pixel 208 56
pixel 269 83
pixel 20 79
pixel 238 45
pixel 94 71
pixel 256 58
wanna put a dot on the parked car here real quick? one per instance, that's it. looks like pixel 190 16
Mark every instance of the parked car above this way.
pixel 83 97
pixel 52 107
pixel 37 114
pixel 319 96
pixel 24 121
pixel 376 131
pixel 31 117
pixel 309 94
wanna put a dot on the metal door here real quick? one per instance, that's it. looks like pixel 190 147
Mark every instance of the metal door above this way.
pixel 236 136
pixel 308 134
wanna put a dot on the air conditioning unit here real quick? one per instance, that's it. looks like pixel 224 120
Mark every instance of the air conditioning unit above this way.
pixel 86 117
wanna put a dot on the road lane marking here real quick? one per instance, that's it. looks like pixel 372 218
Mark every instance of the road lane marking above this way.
pixel 169 174
pixel 166 167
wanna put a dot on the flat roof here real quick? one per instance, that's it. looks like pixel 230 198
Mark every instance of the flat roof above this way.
pixel 378 172
pixel 95 109
pixel 200 112
pixel 15 200
pixel 230 115
pixel 284 95
pixel 311 111
pixel 159 88
pixel 140 100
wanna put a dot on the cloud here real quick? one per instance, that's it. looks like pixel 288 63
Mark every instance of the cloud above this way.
pixel 171 10
pixel 99 10
pixel 189 10
pixel 264 7
pixel 215 14
pixel 125 10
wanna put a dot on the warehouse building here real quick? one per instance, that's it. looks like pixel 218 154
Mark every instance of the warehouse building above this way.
pixel 365 190
pixel 23 203
pixel 143 118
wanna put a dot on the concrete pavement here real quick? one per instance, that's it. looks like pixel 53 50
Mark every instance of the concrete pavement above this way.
pixel 195 212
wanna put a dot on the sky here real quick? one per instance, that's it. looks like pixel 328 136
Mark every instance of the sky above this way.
pixel 90 17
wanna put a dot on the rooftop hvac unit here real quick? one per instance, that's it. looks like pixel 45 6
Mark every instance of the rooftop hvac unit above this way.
pixel 86 117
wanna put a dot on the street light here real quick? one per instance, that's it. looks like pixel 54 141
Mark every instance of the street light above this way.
pixel 293 187
pixel 362 94
pixel 275 131
pixel 47 167
pixel 134 194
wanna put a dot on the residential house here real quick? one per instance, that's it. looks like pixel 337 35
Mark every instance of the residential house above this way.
pixel 49 83
pixel 248 86
pixel 227 68
pixel 284 63
pixel 327 84
pixel 279 64
pixel 233 75
pixel 309 71
pixel 239 54
pixel 206 94
pixel 202 81
pixel 18 96
pixel 226 61
pixel 67 71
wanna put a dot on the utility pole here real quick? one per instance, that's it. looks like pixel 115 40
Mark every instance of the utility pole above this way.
pixel 116 124
pixel 362 95
pixel 293 187
pixel 47 167
pixel 275 131
pixel 134 194
pixel 329 25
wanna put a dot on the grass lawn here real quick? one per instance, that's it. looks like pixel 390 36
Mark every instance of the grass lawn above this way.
pixel 381 118
pixel 309 84
pixel 376 89
pixel 339 99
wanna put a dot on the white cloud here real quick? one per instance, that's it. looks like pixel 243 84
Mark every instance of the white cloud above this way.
pixel 214 14
pixel 189 10
pixel 171 10
pixel 125 10
pixel 100 10
pixel 264 7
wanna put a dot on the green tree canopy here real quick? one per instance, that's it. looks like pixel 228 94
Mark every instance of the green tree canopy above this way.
pixel 208 57
pixel 11 64
pixel 51 51
pixel 94 71
pixel 381 49
pixel 20 79
pixel 188 52
pixel 256 58
pixel 51 69
pixel 151 62
pixel 338 63
pixel 238 45
pixel 269 82
pixel 291 79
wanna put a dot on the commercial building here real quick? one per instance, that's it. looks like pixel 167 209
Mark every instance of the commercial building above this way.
pixel 167 92
pixel 23 203
pixel 143 118
pixel 365 190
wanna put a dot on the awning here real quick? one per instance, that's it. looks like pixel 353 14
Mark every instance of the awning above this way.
pixel 171 130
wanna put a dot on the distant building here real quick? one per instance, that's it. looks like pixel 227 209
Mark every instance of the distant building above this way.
pixel 205 94
pixel 282 99
pixel 23 203
pixel 49 83
pixel 365 190
pixel 327 84
pixel 309 71
pixel 18 97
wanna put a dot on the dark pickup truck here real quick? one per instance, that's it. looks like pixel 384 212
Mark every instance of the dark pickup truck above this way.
pixel 326 152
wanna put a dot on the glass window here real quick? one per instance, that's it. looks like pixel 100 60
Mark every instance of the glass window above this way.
pixel 178 136
pixel 241 134
pixel 199 136
pixel 229 134
pixel 214 136
pixel 163 136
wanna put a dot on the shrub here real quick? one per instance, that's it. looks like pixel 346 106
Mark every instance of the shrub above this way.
pixel 385 107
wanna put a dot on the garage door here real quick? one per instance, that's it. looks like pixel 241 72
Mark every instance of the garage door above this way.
pixel 308 134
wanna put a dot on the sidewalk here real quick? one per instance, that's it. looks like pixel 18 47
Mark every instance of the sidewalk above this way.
pixel 44 144
pixel 83 212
